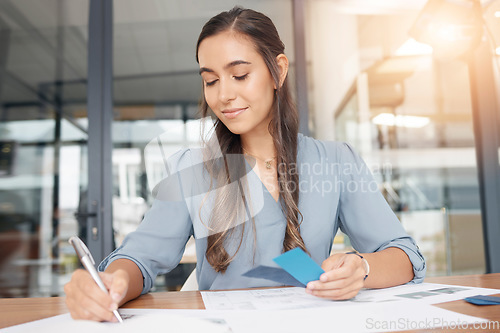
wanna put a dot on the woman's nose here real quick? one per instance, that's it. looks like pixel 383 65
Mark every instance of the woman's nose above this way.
pixel 226 92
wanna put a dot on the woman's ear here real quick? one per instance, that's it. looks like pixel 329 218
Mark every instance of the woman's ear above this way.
pixel 282 61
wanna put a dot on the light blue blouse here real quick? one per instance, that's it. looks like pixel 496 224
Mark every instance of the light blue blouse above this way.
pixel 337 190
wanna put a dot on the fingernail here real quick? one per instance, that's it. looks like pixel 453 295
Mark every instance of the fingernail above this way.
pixel 322 278
pixel 310 286
pixel 113 306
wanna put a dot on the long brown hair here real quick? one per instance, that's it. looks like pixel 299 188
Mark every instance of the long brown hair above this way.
pixel 283 128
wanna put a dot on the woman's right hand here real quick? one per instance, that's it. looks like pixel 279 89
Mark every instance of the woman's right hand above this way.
pixel 85 300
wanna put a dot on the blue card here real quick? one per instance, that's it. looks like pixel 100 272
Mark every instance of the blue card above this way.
pixel 483 300
pixel 299 265
pixel 274 274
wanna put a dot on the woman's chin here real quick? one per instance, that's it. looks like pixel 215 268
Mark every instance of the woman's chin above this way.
pixel 242 127
pixel 237 129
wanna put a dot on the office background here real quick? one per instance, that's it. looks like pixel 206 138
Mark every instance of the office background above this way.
pixel 85 85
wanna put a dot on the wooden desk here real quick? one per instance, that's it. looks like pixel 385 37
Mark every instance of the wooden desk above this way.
pixel 15 311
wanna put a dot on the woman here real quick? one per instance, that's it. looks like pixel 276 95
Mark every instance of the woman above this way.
pixel 286 191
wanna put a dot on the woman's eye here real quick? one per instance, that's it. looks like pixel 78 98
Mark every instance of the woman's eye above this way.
pixel 241 78
pixel 211 83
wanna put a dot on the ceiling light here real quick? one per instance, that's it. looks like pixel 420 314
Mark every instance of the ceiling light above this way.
pixel 412 47
pixel 389 119
pixel 451 27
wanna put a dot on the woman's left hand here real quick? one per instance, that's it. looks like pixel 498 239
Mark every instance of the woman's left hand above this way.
pixel 343 278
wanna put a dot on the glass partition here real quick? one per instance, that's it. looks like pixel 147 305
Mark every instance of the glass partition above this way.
pixel 421 150
pixel 43 134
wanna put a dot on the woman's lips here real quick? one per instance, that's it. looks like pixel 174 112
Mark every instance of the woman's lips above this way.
pixel 232 113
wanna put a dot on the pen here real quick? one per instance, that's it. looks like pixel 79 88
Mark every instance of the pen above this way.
pixel 88 262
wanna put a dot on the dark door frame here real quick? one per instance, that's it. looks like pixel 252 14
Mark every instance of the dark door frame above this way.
pixel 100 116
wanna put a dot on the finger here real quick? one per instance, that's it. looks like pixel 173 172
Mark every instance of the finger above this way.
pixel 334 281
pixel 119 285
pixel 88 308
pixel 89 288
pixel 89 300
pixel 333 262
pixel 334 284
pixel 339 294
pixel 96 311
pixel 342 272
pixel 349 267
pixel 77 312
pixel 107 279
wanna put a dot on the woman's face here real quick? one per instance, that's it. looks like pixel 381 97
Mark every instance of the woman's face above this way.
pixel 237 84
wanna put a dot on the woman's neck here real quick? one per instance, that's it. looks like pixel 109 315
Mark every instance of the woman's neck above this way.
pixel 260 145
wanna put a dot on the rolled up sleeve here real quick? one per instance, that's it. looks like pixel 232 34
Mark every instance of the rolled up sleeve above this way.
pixel 365 216
pixel 157 246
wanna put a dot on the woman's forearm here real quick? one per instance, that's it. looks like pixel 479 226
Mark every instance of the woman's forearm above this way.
pixel 388 268
pixel 135 283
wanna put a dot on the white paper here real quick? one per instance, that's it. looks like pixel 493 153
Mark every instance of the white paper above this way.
pixel 262 299
pixel 428 293
pixel 386 317
pixel 296 298
pixel 135 321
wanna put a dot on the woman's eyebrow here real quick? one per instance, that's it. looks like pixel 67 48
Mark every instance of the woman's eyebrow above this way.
pixel 231 64
pixel 236 63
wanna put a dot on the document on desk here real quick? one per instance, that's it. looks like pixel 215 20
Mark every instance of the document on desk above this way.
pixel 135 320
pixel 296 298
pixel 385 317
pixel 407 307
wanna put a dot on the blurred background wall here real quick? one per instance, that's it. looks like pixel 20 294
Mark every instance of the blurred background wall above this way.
pixel 405 106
